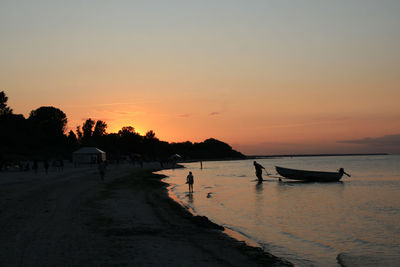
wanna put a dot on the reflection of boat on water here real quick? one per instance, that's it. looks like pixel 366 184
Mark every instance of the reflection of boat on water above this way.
pixel 311 176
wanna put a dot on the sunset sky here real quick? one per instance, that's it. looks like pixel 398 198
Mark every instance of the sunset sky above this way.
pixel 267 77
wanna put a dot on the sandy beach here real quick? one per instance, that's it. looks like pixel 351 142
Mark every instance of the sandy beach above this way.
pixel 72 218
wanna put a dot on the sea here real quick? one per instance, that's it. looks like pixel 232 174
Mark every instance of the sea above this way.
pixel 354 222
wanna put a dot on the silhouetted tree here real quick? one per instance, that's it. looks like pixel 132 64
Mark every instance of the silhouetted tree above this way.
pixel 42 136
pixel 79 133
pixel 100 128
pixel 15 136
pixel 130 141
pixel 47 125
pixel 126 130
pixel 150 135
pixel 150 142
pixel 50 121
pixel 71 139
pixel 213 148
pixel 184 149
pixel 4 110
pixel 87 129
pixel 111 144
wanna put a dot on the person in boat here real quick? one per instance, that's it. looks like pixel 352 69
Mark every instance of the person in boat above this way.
pixel 190 181
pixel 259 168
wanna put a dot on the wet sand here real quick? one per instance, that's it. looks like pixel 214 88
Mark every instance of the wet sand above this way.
pixel 72 218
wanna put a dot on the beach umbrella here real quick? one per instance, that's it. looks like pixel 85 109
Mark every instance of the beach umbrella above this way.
pixel 175 156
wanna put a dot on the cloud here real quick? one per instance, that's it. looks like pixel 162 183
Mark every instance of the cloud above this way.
pixel 314 122
pixel 214 113
pixel 117 113
pixel 332 119
pixel 186 115
pixel 387 140
pixel 138 103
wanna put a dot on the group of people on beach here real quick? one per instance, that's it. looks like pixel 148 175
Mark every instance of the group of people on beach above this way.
pixel 32 165
pixel 257 166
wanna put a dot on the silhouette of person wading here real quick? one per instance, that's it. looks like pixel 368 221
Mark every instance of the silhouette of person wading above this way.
pixel 190 181
pixel 259 168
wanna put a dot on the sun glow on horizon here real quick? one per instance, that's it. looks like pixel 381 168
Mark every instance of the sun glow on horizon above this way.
pixel 116 126
pixel 263 76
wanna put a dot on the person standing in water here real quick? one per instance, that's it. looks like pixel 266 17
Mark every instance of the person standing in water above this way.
pixel 259 168
pixel 190 181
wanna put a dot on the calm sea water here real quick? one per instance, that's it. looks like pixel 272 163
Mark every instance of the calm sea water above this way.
pixel 309 224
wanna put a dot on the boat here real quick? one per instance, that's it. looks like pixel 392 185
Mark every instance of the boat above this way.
pixel 311 176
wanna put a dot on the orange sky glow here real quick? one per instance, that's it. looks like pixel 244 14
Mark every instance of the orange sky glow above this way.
pixel 267 77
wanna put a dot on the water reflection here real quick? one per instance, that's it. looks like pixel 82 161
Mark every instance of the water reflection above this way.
pixel 259 194
pixel 307 223
pixel 190 198
pixel 259 188
pixel 259 204
pixel 296 185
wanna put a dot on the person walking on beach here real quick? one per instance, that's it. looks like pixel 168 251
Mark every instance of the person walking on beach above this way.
pixel 46 166
pixel 102 169
pixel 259 168
pixel 35 166
pixel 190 181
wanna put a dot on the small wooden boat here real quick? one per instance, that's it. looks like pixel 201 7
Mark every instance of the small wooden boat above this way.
pixel 311 176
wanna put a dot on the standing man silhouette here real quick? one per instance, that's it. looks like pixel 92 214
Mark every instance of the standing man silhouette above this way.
pixel 259 168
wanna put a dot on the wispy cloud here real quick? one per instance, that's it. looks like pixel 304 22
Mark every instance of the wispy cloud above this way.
pixel 387 140
pixel 315 122
pixel 117 112
pixel 290 125
pixel 331 118
pixel 214 113
pixel 114 104
pixel 186 115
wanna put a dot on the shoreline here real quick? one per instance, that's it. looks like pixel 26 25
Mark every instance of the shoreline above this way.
pixel 72 218
pixel 205 241
pixel 230 232
pixel 233 235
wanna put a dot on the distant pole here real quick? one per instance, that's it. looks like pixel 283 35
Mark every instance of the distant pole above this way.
pixel 201 165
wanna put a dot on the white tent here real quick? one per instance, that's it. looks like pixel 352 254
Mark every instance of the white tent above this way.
pixel 88 155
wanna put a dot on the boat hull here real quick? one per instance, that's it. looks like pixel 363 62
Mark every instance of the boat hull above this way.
pixel 310 176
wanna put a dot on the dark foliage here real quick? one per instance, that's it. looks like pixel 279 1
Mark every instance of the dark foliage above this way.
pixel 4 109
pixel 47 126
pixel 42 136
pixel 15 136
pixel 49 121
pixel 87 129
pixel 99 128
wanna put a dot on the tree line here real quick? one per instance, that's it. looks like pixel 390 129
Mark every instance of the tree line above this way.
pixel 43 135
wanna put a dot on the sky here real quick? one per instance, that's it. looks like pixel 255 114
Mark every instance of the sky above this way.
pixel 267 77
